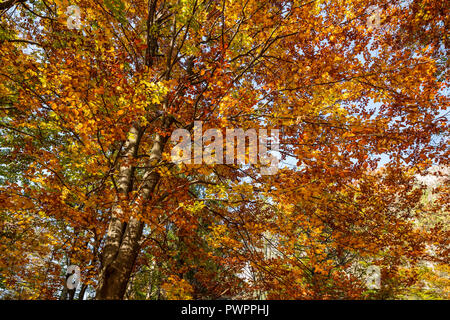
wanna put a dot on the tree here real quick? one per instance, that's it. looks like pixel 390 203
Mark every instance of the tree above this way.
pixel 87 115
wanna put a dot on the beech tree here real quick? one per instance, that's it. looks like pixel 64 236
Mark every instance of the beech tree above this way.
pixel 89 103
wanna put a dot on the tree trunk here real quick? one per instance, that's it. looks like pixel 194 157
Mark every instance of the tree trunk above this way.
pixel 123 238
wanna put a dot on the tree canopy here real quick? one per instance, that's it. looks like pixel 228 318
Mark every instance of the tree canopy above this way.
pixel 89 99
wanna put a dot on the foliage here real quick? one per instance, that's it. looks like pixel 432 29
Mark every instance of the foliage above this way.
pixel 361 112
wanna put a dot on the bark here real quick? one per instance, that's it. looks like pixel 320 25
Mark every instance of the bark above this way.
pixel 64 293
pixel 65 290
pixel 72 293
pixel 122 244
pixel 82 292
